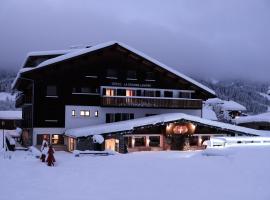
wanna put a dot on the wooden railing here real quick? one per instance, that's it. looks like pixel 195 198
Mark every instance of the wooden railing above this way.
pixel 21 99
pixel 151 102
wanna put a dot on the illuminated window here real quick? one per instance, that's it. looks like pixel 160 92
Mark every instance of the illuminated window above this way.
pixel 73 113
pixel 110 92
pixel 96 113
pixel 85 113
pixel 130 93
pixel 57 139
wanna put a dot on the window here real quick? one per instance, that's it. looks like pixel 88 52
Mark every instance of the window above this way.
pixel 41 137
pixel 57 139
pixel 128 141
pixel 111 74
pixel 186 95
pixel 130 93
pixel 116 117
pixel 140 141
pixel 154 141
pixel 149 93
pixel 150 76
pixel 148 115
pixel 85 113
pixel 168 94
pixel 85 90
pixel 73 113
pixel 51 90
pixel 96 113
pixel 110 92
pixel 131 75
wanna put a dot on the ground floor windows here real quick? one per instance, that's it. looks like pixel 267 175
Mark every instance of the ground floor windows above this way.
pixel 112 144
pixel 41 137
pixel 140 141
pixel 85 113
pixel 57 139
pixel 71 144
pixel 154 141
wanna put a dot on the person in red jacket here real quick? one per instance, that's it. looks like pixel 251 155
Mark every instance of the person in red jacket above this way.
pixel 50 159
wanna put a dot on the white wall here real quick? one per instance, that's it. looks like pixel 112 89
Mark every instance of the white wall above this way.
pixel 78 121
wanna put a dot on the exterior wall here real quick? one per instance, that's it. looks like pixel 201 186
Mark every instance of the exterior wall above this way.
pixel 78 121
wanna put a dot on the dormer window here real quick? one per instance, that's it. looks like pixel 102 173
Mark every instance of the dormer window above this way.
pixel 111 74
pixel 131 75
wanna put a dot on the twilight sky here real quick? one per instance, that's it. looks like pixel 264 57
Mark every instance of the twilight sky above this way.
pixel 209 38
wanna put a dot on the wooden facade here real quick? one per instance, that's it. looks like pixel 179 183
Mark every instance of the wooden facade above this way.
pixel 45 91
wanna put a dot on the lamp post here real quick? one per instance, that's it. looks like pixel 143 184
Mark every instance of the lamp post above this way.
pixel 3 124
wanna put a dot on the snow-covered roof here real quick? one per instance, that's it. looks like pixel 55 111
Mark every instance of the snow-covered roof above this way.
pixel 264 117
pixel 11 114
pixel 208 113
pixel 213 101
pixel 51 52
pixel 107 44
pixel 22 70
pixel 129 125
pixel 225 105
pixel 232 105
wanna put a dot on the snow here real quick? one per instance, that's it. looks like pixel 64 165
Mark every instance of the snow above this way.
pixel 129 125
pixel 107 44
pixel 226 105
pixel 266 95
pixel 98 139
pixel 232 105
pixel 11 114
pixel 144 175
pixel 264 117
pixel 208 113
pixel 22 70
pixel 4 96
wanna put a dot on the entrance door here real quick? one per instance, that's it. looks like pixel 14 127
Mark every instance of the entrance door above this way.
pixel 112 144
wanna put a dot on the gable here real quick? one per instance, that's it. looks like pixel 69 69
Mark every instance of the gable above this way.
pixel 133 54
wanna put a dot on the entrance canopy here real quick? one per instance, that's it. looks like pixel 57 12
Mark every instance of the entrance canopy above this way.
pixel 130 125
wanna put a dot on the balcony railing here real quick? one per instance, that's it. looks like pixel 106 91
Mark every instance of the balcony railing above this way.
pixel 22 99
pixel 151 102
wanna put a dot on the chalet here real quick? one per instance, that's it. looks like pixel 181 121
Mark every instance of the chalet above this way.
pixel 101 86
pixel 259 122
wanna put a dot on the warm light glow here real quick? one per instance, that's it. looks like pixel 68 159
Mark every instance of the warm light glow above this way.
pixel 180 129
pixel 55 137
pixel 110 92
pixel 169 128
pixel 130 93
pixel 192 128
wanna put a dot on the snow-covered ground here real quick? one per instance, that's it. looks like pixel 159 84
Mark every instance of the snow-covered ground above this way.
pixel 6 96
pixel 243 175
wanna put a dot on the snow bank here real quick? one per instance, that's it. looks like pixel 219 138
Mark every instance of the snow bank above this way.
pixel 34 151
pixel 98 139
pixel 225 105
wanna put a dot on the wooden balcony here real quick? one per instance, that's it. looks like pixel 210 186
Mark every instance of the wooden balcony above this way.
pixel 151 102
pixel 22 99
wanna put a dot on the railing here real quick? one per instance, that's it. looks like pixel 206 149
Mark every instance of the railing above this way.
pixel 21 99
pixel 151 102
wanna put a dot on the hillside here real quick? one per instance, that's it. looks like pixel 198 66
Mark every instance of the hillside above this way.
pixel 253 95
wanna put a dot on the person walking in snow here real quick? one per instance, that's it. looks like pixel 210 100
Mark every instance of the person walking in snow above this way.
pixel 44 152
pixel 43 143
pixel 50 159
